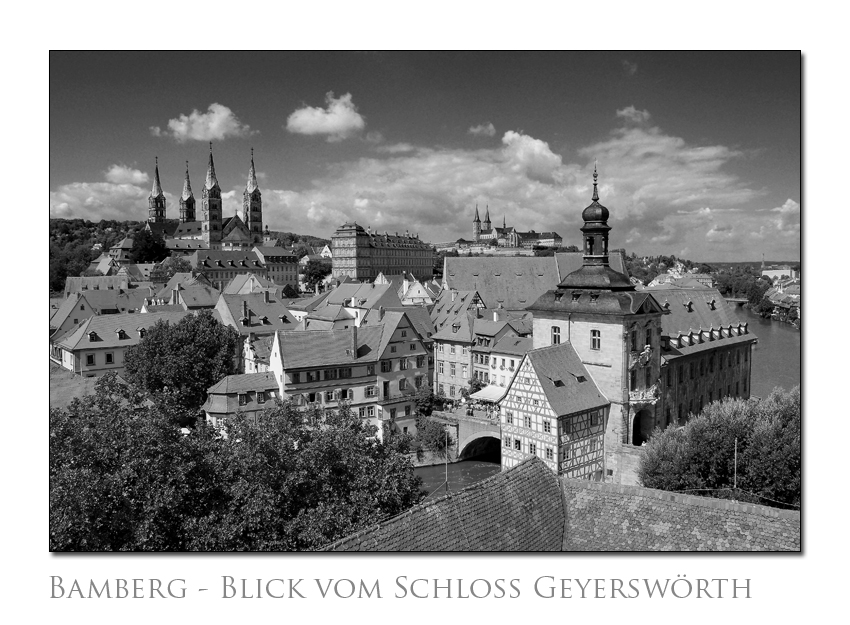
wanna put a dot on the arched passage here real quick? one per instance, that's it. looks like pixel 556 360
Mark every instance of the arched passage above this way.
pixel 642 427
pixel 482 445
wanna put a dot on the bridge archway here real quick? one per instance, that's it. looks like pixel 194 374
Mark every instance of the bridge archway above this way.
pixel 480 444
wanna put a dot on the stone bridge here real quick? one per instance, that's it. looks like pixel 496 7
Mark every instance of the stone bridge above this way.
pixel 474 433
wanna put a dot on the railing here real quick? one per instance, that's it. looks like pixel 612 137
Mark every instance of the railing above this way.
pixel 644 396
pixel 397 396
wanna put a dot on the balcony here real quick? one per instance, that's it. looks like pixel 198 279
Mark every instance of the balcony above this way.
pixel 644 396
pixel 397 396
pixel 640 358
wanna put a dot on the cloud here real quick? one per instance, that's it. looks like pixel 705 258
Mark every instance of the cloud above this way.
pixel 396 148
pixel 340 120
pixel 373 136
pixel 216 124
pixel 530 155
pixel 629 67
pixel 122 174
pixel 483 130
pixel 631 114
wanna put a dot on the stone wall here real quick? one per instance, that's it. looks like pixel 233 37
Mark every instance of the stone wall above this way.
pixel 608 517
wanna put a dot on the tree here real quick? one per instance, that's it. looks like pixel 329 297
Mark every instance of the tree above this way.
pixel 148 247
pixel 700 457
pixel 426 401
pixel 765 308
pixel 475 385
pixel 431 435
pixel 570 248
pixel 315 272
pixel 180 362
pixel 122 477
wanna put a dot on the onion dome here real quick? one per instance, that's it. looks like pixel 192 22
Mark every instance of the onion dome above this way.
pixel 595 212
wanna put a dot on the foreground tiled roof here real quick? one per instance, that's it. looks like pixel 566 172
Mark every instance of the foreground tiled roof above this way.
pixel 528 508
pixel 517 510
pixel 609 517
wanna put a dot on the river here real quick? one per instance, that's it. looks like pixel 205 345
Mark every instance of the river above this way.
pixel 776 362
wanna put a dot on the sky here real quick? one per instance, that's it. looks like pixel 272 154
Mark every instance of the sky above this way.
pixel 698 154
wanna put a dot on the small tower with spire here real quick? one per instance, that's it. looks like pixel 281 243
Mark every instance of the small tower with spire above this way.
pixel 187 200
pixel 252 205
pixel 486 224
pixel 156 200
pixel 211 204
pixel 476 226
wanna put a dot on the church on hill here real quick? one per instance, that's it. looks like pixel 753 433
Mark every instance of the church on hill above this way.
pixel 484 232
pixel 212 231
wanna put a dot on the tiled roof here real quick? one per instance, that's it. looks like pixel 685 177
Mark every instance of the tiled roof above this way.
pixel 517 510
pixel 321 348
pixel 457 329
pixel 165 229
pixel 446 308
pixel 273 251
pixel 264 317
pixel 699 316
pixel 363 295
pixel 238 283
pixel 596 302
pixel 515 345
pixel 418 316
pixel 333 312
pixel 244 382
pixel 163 308
pixel 199 296
pixel 105 328
pixel 211 258
pixel 609 517
pixel 185 244
pixel 91 283
pixel 184 279
pixel 528 508
pixel 560 372
pixel 188 228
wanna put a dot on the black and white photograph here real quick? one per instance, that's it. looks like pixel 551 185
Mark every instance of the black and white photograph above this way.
pixel 425 302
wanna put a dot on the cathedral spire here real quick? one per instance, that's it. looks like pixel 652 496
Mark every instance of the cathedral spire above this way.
pixel 187 187
pixel 252 176
pixel 487 214
pixel 477 218
pixel 504 227
pixel 156 191
pixel 211 181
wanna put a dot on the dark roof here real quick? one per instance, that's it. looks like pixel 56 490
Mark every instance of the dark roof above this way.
pixel 105 328
pixel 596 302
pixel 238 282
pixel 223 397
pixel 597 277
pixel 450 305
pixel 264 317
pixel 517 510
pixel 242 382
pixel 418 316
pixel 164 229
pixel 90 283
pixel 700 315
pixel 527 508
pixel 188 228
pixel 559 370
pixel 362 295
pixel 515 345
pixel 320 348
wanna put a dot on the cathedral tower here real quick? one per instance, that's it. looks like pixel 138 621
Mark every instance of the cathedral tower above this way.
pixel 476 226
pixel 156 200
pixel 252 205
pixel 487 226
pixel 187 200
pixel 211 202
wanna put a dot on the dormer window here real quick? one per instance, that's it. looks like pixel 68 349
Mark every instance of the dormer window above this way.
pixel 576 295
pixel 93 336
pixel 689 305
pixel 142 332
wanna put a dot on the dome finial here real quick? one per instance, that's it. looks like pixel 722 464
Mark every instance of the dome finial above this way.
pixel 595 197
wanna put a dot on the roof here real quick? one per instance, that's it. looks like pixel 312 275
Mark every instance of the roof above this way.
pixel 418 316
pixel 450 305
pixel 262 347
pixel 212 258
pixel 457 329
pixel 492 393
pixel 242 382
pixel 254 283
pixel 362 295
pixel 186 244
pixel 274 251
pixel 699 316
pixel 568 386
pixel 199 296
pixel 513 345
pixel 528 508
pixel 105 328
pixel 188 228
pixel 594 301
pixel 514 282
pixel 90 283
pixel 333 312
pixel 164 229
pixel 163 308
pixel 517 510
pixel 321 348
pixel 264 315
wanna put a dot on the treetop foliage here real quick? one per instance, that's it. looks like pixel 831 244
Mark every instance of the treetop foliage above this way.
pixel 122 477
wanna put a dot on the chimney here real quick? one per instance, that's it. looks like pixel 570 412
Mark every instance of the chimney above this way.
pixel 354 342
pixel 244 309
pixel 496 315
pixel 454 294
pixel 381 313
pixel 173 297
pixel 266 296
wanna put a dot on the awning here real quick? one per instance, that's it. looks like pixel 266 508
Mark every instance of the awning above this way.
pixel 491 393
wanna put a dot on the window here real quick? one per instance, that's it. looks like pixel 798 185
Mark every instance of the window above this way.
pixel 370 369
pixel 442 390
pixel 362 411
pixel 329 396
pixel 243 399
pixel 556 335
pixel 549 454
pixel 547 426
pixel 371 391
pixel 370 410
pixel 412 346
pixel 109 358
pixel 595 339
pixel 532 448
pixel 648 377
pixel 345 372
pixel 404 333
pixel 452 350
pixel 420 361
pixel 452 369
pixel 90 359
pixel 402 364
pixel 634 340
pixel 440 367
pixel 507 442
pixel 465 350
pixel 464 372
pixel 402 384
pixel 295 378
pixel 440 347
pixel 512 365
pixel 648 337
pixel 404 429
pixel 535 402
pixel 451 390
pixel 387 366
pixel 406 414
pixel 140 333
pixel 632 380
pixel 261 397
pixel 330 374
pixel 526 421
pixel 517 444
pixel 392 413
pixel 509 416
pixel 392 349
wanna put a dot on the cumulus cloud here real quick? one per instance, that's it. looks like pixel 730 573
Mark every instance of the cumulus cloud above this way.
pixel 396 148
pixel 373 136
pixel 530 155
pixel 339 120
pixel 218 123
pixel 631 114
pixel 122 174
pixel 629 67
pixel 483 130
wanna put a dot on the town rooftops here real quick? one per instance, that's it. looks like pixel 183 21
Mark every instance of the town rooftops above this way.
pixel 568 386
pixel 106 331
pixel 513 345
pixel 692 309
pixel 275 252
pixel 594 301
pixel 225 260
pixel 247 283
pixel 528 508
pixel 260 313
pixel 319 348
pixel 356 295
pixel 92 283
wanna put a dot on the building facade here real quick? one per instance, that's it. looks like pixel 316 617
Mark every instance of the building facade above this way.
pixel 360 254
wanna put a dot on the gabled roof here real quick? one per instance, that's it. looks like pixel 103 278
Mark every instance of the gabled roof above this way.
pixel 359 295
pixel 262 347
pixel 417 315
pixel 596 302
pixel 211 258
pixel 199 296
pixel 188 228
pixel 450 305
pixel 565 382
pixel 513 345
pixel 223 397
pixel 247 283
pixel 320 348
pixel 333 312
pixel 458 328
pixel 264 317
pixel 185 244
pixel 90 283
pixel 165 229
pixel 700 315
pixel 105 328
pixel 242 382
pixel 263 251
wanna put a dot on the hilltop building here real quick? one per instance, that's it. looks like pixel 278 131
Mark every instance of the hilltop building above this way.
pixel 484 232
pixel 360 254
